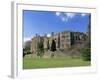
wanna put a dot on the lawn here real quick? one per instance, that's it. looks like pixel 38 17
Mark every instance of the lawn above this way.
pixel 31 63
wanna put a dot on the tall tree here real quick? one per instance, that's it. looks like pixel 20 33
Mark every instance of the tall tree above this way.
pixel 40 49
pixel 53 45
pixel 58 41
pixel 48 46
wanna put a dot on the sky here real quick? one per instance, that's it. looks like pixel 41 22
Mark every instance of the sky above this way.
pixel 45 22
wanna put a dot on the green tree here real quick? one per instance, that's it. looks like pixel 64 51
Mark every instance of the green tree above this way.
pixel 26 49
pixel 58 41
pixel 48 46
pixel 53 47
pixel 40 49
pixel 24 53
pixel 86 54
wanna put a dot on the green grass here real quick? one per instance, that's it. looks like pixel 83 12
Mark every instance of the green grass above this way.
pixel 31 63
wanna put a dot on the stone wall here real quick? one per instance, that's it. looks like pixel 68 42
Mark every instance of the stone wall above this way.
pixel 64 40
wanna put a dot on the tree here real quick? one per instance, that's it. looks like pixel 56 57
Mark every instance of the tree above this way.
pixel 24 53
pixel 40 49
pixel 53 47
pixel 27 45
pixel 58 41
pixel 48 46
pixel 26 49
pixel 86 54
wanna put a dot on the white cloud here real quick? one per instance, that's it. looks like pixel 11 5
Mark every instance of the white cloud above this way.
pixel 58 13
pixel 48 35
pixel 70 15
pixel 83 14
pixel 27 39
pixel 65 16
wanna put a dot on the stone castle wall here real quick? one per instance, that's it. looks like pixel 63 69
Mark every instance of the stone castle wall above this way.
pixel 64 40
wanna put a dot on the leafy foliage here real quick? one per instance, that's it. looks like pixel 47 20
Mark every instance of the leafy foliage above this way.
pixel 48 47
pixel 53 46
pixel 86 54
pixel 26 49
pixel 40 49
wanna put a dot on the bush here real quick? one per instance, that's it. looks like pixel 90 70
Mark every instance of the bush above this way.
pixel 39 53
pixel 86 54
pixel 52 55
pixel 61 50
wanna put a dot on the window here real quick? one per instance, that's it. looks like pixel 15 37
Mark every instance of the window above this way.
pixel 63 36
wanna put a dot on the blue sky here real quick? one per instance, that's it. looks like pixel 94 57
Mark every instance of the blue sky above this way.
pixel 41 22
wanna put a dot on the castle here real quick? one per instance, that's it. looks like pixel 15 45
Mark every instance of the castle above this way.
pixel 64 40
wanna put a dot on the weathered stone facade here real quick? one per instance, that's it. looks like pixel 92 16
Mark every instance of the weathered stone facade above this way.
pixel 64 40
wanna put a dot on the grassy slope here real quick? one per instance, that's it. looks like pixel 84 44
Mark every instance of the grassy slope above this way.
pixel 31 63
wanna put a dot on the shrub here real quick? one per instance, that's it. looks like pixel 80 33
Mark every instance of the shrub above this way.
pixel 61 50
pixel 86 54
pixel 52 55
